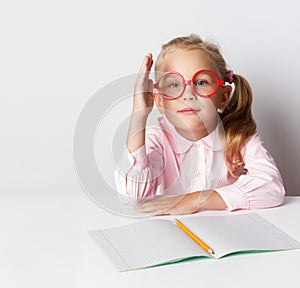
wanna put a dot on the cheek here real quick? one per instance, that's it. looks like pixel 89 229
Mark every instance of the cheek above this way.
pixel 170 105
pixel 209 111
pixel 215 100
pixel 209 105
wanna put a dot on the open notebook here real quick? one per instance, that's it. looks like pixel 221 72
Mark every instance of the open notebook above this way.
pixel 159 241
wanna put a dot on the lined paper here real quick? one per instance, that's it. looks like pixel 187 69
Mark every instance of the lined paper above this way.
pixel 146 243
pixel 244 232
pixel 160 241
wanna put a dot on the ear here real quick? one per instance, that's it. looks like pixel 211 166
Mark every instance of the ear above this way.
pixel 159 102
pixel 224 98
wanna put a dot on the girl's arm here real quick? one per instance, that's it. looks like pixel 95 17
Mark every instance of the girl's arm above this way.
pixel 260 187
pixel 142 106
pixel 184 204
pixel 138 174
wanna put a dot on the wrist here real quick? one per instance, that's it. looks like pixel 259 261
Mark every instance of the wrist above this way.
pixel 210 199
pixel 136 131
pixel 195 204
pixel 204 195
pixel 140 115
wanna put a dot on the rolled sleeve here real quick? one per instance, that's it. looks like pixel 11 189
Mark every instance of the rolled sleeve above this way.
pixel 138 174
pixel 252 193
pixel 233 197
pixel 261 186
pixel 138 158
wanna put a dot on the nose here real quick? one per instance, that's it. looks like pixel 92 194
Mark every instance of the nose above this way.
pixel 188 94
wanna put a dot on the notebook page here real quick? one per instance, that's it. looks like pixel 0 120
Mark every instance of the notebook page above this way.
pixel 145 244
pixel 244 232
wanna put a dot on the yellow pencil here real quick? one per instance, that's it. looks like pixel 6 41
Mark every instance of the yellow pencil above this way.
pixel 194 237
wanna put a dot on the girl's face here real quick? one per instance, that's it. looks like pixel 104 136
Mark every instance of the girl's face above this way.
pixel 193 117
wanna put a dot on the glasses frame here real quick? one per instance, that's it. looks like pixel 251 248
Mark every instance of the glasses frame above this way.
pixel 189 82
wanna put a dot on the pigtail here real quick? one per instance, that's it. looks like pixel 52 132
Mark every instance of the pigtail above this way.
pixel 238 122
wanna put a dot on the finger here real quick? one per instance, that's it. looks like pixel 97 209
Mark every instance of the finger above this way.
pixel 143 65
pixel 154 208
pixel 149 207
pixel 142 207
pixel 144 71
pixel 161 212
pixel 150 86
pixel 146 207
pixel 149 62
pixel 146 64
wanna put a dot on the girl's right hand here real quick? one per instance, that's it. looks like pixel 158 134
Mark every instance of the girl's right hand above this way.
pixel 143 89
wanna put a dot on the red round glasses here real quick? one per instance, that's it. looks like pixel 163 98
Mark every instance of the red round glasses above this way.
pixel 205 83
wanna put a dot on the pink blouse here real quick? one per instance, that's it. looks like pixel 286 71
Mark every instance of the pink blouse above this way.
pixel 169 164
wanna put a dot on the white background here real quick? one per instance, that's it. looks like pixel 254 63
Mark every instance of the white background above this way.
pixel 54 55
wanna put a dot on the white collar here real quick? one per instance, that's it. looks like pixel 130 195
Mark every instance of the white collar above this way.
pixel 180 145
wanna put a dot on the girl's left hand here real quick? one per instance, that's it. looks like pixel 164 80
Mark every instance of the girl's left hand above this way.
pixel 183 204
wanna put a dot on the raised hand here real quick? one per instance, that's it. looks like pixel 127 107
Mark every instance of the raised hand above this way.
pixel 142 106
pixel 143 90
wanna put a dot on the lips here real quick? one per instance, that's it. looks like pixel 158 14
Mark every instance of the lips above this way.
pixel 188 111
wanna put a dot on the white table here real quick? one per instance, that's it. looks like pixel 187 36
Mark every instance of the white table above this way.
pixel 44 243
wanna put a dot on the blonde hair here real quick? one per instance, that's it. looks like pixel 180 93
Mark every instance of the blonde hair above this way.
pixel 237 118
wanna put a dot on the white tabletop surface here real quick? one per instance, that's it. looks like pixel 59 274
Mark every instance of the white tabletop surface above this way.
pixel 44 243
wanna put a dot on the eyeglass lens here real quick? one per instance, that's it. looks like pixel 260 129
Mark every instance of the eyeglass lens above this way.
pixel 172 85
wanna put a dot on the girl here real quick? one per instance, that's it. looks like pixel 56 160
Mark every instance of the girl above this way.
pixel 204 152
